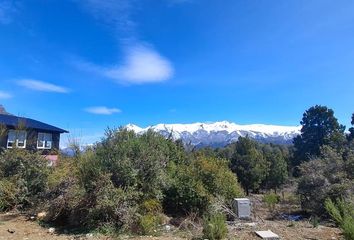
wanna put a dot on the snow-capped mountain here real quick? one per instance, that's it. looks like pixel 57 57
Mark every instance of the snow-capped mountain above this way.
pixel 222 133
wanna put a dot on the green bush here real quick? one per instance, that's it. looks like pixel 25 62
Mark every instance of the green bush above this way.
pixel 64 168
pixel 149 223
pixel 102 207
pixel 111 204
pixel 343 214
pixel 194 186
pixel 9 194
pixel 116 184
pixel 216 177
pixel 23 178
pixel 214 227
pixel 152 206
pixel 323 177
pixel 121 182
pixel 271 200
pixel 137 161
pixel 186 193
pixel 151 217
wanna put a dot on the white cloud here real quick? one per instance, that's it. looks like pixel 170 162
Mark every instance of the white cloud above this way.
pixel 41 86
pixel 141 65
pixel 102 110
pixel 5 95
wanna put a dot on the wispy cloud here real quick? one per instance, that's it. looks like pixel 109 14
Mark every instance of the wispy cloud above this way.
pixel 7 9
pixel 41 86
pixel 142 63
pixel 5 95
pixel 102 110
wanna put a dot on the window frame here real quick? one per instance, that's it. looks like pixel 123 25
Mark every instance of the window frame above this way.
pixel 13 142
pixel 16 139
pixel 44 141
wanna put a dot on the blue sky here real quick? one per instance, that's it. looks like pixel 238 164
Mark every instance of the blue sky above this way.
pixel 84 65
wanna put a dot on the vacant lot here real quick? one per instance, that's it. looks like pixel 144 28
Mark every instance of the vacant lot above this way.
pixel 17 226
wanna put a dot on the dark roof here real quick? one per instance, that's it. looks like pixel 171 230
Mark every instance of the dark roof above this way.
pixel 14 121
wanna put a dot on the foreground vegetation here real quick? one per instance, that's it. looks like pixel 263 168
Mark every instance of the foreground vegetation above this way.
pixel 124 183
pixel 131 183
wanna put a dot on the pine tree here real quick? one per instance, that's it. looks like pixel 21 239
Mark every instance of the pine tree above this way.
pixel 278 173
pixel 351 130
pixel 319 127
pixel 249 164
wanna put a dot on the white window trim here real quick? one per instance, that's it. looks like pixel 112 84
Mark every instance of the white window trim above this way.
pixel 7 146
pixel 44 141
pixel 8 139
pixel 13 143
pixel 24 144
pixel 16 140
pixel 40 147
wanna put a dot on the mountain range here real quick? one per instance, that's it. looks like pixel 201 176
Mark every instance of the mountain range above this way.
pixel 219 134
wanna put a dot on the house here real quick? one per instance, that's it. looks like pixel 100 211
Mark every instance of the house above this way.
pixel 29 134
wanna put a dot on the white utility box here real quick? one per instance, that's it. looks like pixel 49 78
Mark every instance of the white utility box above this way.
pixel 242 207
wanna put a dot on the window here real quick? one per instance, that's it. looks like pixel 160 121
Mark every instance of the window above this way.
pixel 11 139
pixel 21 139
pixel 44 141
pixel 16 138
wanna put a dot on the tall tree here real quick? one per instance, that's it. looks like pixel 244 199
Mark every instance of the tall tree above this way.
pixel 278 173
pixel 351 130
pixel 249 164
pixel 348 157
pixel 319 127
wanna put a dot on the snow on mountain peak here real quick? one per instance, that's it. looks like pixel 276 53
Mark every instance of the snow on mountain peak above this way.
pixel 222 133
pixel 134 128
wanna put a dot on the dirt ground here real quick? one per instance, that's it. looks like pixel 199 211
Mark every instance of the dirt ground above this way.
pixel 294 230
pixel 300 230
pixel 15 226
pixel 19 227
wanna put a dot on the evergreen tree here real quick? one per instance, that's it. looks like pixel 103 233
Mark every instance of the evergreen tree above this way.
pixel 348 157
pixel 351 130
pixel 249 164
pixel 278 173
pixel 319 127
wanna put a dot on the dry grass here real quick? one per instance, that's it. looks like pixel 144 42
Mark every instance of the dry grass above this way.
pixel 190 227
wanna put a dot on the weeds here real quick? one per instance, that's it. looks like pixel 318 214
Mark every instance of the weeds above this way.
pixel 214 227
pixel 271 200
pixel 343 214
pixel 315 221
